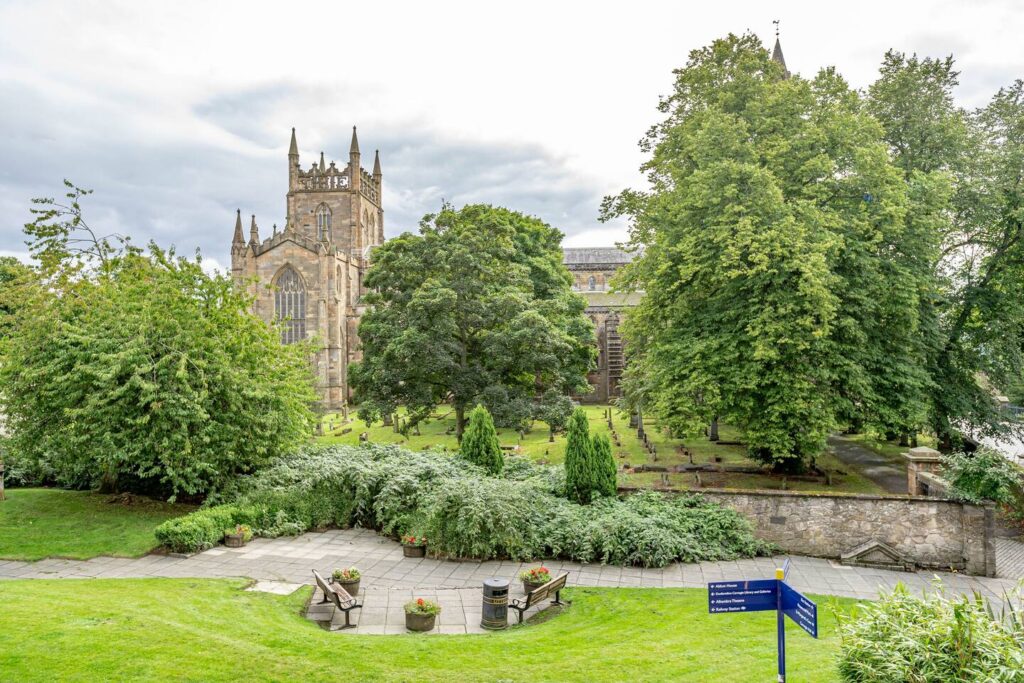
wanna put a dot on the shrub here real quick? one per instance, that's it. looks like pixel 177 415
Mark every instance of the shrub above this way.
pixel 480 443
pixel 579 452
pixel 605 476
pixel 201 529
pixel 930 639
pixel 982 476
pixel 350 574
pixel 466 513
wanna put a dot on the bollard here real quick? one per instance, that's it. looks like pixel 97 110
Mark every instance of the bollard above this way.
pixel 495 608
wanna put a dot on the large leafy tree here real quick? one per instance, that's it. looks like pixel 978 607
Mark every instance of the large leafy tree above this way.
pixel 477 306
pixel 778 292
pixel 138 371
pixel 963 173
pixel 13 276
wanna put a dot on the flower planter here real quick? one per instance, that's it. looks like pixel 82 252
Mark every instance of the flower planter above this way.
pixel 234 540
pixel 527 586
pixel 352 587
pixel 420 622
pixel 414 550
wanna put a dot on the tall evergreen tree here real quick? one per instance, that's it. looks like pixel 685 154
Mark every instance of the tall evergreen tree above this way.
pixel 579 456
pixel 480 443
pixel 605 477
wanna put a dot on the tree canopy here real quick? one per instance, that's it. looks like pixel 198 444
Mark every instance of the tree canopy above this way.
pixel 138 371
pixel 813 256
pixel 476 308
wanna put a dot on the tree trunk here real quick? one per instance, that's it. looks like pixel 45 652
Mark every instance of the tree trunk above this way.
pixel 2 496
pixel 460 422
pixel 551 434
pixel 713 436
pixel 388 420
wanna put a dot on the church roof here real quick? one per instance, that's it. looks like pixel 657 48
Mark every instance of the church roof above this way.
pixel 577 256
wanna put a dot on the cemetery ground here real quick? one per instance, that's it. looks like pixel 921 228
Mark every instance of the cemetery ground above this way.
pixel 212 630
pixel 439 431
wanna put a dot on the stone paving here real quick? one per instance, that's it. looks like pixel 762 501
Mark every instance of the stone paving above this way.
pixel 389 579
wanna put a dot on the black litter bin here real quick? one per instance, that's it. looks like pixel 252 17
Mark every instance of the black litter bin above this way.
pixel 495 609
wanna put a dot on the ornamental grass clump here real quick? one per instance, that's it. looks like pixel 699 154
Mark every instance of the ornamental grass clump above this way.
pixel 929 639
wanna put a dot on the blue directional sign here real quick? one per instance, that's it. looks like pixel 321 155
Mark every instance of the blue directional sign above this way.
pixel 742 596
pixel 766 594
pixel 799 609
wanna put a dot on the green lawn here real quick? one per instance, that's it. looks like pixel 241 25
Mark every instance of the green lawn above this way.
pixel 196 630
pixel 535 444
pixel 38 523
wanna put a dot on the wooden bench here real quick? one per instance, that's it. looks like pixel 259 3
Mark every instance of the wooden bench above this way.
pixel 333 592
pixel 539 593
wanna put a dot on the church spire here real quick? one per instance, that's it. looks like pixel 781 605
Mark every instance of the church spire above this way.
pixel 354 147
pixel 376 164
pixel 293 149
pixel 254 232
pixel 238 238
pixel 777 51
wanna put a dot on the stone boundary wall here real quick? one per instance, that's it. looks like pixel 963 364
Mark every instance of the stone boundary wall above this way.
pixel 930 532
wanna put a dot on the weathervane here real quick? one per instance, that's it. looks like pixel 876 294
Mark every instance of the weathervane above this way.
pixel 776 22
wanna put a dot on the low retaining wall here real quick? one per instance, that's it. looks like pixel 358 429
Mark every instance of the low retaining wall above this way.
pixel 932 533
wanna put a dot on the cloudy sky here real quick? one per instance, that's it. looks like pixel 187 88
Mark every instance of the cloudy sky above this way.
pixel 177 113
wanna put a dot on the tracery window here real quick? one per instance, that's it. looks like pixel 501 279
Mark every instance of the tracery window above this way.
pixel 323 223
pixel 290 306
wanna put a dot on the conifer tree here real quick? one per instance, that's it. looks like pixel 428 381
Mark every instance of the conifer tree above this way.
pixel 603 466
pixel 579 457
pixel 480 442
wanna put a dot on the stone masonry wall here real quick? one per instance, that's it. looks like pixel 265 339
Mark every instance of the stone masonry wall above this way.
pixel 933 533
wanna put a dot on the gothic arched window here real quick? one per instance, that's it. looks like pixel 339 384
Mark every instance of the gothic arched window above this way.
pixel 323 223
pixel 592 282
pixel 290 305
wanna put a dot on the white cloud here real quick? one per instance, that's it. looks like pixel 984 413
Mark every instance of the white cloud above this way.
pixel 178 113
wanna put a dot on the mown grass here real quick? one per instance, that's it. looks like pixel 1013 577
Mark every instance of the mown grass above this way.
pixel 38 523
pixel 210 630
pixel 535 444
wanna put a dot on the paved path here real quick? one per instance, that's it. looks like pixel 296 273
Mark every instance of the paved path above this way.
pixel 389 579
pixel 1010 558
pixel 881 470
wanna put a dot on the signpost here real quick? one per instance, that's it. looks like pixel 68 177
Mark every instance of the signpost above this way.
pixel 759 595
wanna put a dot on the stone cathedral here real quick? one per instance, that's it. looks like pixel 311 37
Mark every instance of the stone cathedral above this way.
pixel 309 274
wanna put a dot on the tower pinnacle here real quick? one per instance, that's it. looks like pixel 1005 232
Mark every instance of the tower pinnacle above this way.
pixel 376 163
pixel 354 147
pixel 293 149
pixel 238 238
pixel 254 232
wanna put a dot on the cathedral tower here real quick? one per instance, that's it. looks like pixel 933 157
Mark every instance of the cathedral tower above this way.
pixel 308 276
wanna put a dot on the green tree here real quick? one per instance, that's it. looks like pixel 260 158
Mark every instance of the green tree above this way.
pixel 479 299
pixel 777 296
pixel 138 371
pixel 963 176
pixel 580 477
pixel 553 409
pixel 14 275
pixel 480 443
pixel 605 476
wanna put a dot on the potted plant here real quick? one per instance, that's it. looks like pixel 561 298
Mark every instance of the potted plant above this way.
pixel 347 579
pixel 237 536
pixel 414 546
pixel 421 614
pixel 534 578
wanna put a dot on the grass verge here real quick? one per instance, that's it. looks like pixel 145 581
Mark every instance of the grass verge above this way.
pixel 210 630
pixel 38 523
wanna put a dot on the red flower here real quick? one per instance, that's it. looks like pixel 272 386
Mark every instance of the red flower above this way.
pixel 419 602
